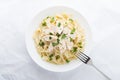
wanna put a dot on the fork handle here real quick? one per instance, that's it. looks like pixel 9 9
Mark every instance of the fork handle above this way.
pixel 100 72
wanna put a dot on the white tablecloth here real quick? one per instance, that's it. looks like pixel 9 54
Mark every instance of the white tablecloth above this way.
pixel 103 17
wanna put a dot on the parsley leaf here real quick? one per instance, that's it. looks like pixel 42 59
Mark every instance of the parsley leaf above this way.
pixel 58 35
pixel 51 33
pixel 52 20
pixel 50 37
pixel 57 57
pixel 74 49
pixel 59 24
pixel 72 31
pixel 50 56
pixel 44 24
pixel 67 61
pixel 71 39
pixel 80 45
pixel 41 43
pixel 47 17
pixel 71 20
pixel 63 36
pixel 54 44
pixel 58 40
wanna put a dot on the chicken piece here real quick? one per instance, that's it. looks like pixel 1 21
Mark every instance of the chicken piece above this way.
pixel 57 29
pixel 50 48
pixel 49 38
pixel 73 36
pixel 66 30
pixel 47 31
pixel 62 46
pixel 69 45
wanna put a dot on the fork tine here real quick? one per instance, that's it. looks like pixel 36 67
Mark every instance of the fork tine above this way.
pixel 83 57
pixel 82 54
pixel 80 59
pixel 87 57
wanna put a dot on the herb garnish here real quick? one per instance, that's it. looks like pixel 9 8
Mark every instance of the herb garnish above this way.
pixel 63 36
pixel 67 61
pixel 51 33
pixel 52 20
pixel 50 37
pixel 59 24
pixel 44 24
pixel 71 20
pixel 58 35
pixel 80 45
pixel 41 43
pixel 50 56
pixel 72 31
pixel 57 57
pixel 54 44
pixel 74 49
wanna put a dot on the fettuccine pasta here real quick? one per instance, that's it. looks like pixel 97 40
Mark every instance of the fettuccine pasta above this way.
pixel 58 38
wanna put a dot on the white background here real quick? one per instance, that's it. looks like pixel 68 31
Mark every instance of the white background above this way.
pixel 103 17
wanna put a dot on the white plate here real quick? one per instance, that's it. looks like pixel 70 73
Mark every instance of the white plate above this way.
pixel 35 24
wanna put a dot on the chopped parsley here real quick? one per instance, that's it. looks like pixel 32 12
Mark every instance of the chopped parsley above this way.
pixel 63 36
pixel 58 35
pixel 71 39
pixel 47 17
pixel 52 20
pixel 58 40
pixel 71 20
pixel 50 37
pixel 41 43
pixel 74 49
pixel 67 61
pixel 51 33
pixel 59 24
pixel 57 57
pixel 54 44
pixel 50 56
pixel 72 31
pixel 80 45
pixel 44 24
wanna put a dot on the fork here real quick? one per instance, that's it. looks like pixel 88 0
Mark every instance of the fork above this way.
pixel 87 60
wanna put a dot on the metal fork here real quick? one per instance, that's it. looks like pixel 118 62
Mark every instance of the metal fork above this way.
pixel 87 60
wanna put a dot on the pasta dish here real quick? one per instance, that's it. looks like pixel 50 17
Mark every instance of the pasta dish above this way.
pixel 58 38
